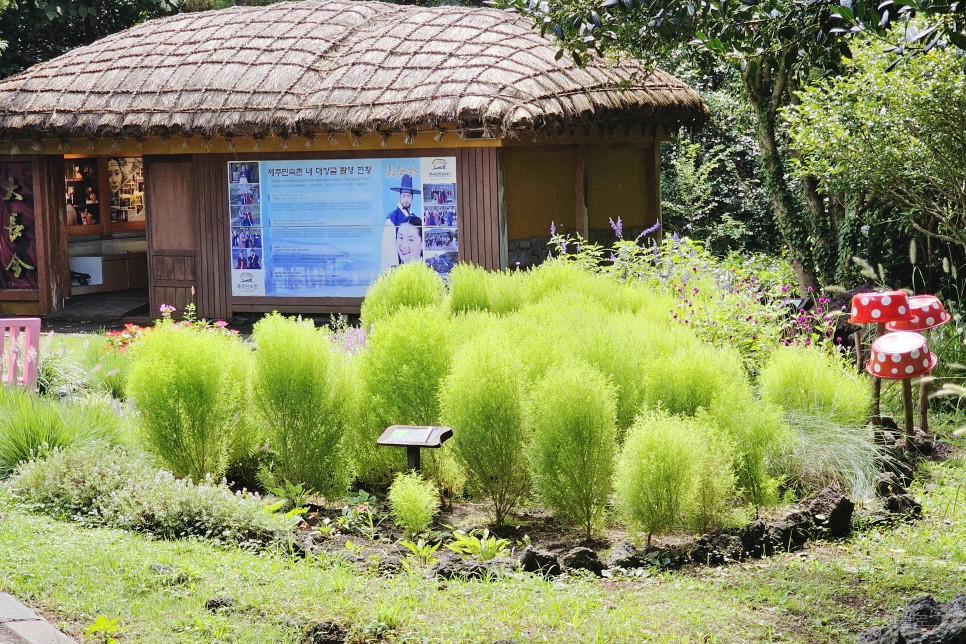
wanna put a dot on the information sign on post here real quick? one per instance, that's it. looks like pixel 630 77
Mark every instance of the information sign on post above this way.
pixel 414 437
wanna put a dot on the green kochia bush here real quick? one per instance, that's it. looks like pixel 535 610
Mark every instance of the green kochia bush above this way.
pixel 401 368
pixel 301 387
pixel 414 285
pixel 482 401
pixel 33 425
pixel 103 486
pixel 759 436
pixel 692 377
pixel 189 388
pixel 572 413
pixel 671 470
pixel 807 380
pixel 414 502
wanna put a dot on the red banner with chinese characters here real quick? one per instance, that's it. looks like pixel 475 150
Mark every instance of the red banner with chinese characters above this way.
pixel 18 236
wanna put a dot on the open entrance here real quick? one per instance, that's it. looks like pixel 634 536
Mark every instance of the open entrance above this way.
pixel 106 241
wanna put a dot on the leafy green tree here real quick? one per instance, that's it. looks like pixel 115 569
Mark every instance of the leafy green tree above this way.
pixel 898 137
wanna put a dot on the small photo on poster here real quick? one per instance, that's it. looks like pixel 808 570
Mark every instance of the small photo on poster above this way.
pixel 243 172
pixel 246 216
pixel 442 262
pixel 250 259
pixel 245 238
pixel 440 193
pixel 440 216
pixel 441 239
pixel 244 194
pixel 409 240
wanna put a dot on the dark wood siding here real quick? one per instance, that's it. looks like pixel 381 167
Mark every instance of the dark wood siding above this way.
pixel 478 206
pixel 172 231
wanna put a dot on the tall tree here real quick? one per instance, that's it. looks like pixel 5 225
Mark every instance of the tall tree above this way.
pixel 776 45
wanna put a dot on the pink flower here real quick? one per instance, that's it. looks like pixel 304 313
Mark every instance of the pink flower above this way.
pixel 221 323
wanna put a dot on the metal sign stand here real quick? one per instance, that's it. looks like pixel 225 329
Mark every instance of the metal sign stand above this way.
pixel 414 437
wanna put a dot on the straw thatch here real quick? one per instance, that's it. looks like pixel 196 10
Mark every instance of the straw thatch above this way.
pixel 336 66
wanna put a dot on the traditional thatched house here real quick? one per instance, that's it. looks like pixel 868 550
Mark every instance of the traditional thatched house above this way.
pixel 263 157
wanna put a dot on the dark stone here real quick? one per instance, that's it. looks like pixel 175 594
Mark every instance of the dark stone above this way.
pixel 832 512
pixel 791 533
pixel 921 444
pixel 754 539
pixel 883 436
pixel 304 545
pixel 901 467
pixel 453 567
pixel 905 505
pixel 389 565
pixel 582 559
pixel 325 633
pixel 541 562
pixel 887 484
pixel 923 621
pixel 216 604
pixel 625 555
pixel 885 422
pixel 717 550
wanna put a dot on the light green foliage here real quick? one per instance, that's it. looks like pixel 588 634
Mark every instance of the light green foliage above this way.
pixel 693 376
pixel 31 426
pixel 100 486
pixel 479 545
pixel 414 502
pixel 566 277
pixel 302 389
pixel 572 412
pixel 190 390
pixel 414 284
pixel 670 468
pixel 401 368
pixel 468 288
pixel 482 401
pixel 758 435
pixel 473 288
pixel 809 381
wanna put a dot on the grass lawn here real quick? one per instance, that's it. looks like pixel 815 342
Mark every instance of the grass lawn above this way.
pixel 826 593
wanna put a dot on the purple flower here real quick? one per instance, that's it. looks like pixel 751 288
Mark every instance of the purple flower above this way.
pixel 553 228
pixel 617 227
pixel 648 231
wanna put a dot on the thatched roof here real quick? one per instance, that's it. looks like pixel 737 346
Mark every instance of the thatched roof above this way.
pixel 337 66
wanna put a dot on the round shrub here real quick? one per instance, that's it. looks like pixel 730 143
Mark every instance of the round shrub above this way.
pixel 301 387
pixel 671 470
pixel 692 376
pixel 809 381
pixel 572 413
pixel 758 436
pixel 468 288
pixel 189 388
pixel 482 401
pixel 401 368
pixel 413 284
pixel 413 501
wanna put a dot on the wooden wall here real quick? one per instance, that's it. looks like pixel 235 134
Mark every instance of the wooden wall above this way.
pixel 482 221
pixel 173 231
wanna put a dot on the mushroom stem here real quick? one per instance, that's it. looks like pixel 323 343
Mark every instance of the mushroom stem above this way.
pixel 924 406
pixel 907 407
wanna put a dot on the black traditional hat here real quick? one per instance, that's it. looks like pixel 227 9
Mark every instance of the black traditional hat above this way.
pixel 406 184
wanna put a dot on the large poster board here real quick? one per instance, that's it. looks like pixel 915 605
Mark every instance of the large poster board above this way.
pixel 328 228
